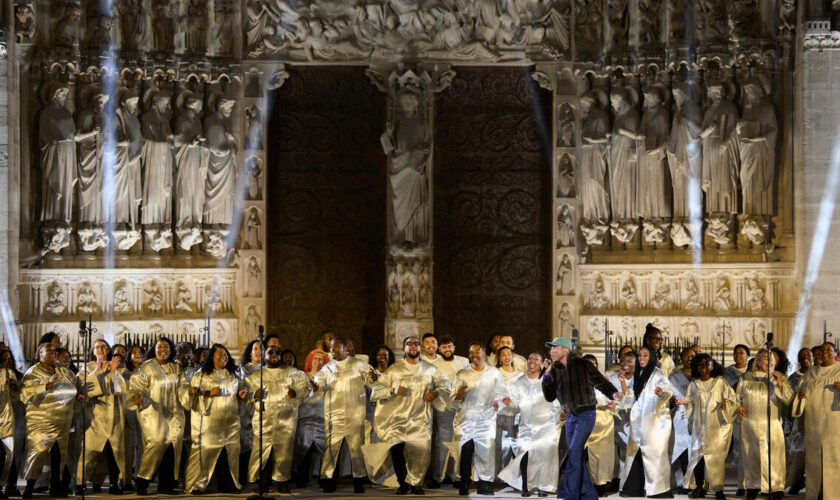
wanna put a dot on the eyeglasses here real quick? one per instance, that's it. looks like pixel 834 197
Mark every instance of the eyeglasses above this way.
pixel 271 352
pixel 412 343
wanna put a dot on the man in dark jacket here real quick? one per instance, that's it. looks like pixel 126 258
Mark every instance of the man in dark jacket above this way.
pixel 573 381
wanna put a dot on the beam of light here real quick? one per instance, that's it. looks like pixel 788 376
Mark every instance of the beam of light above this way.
pixel 110 78
pixel 12 336
pixel 815 257
pixel 695 211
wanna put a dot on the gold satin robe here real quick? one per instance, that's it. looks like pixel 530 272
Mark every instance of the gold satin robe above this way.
pixel 217 420
pixel 650 433
pixel 442 423
pixel 475 418
pixel 711 429
pixel 49 414
pixel 104 417
pixel 601 443
pixel 751 392
pixel 7 419
pixel 405 419
pixel 342 384
pixel 161 417
pixel 821 412
pixel 279 420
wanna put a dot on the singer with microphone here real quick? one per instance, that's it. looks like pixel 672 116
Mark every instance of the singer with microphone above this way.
pixel 573 381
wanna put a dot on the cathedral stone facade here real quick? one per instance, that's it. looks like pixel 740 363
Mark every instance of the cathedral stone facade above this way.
pixel 390 167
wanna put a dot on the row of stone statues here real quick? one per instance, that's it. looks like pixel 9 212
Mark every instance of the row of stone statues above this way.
pixel 155 165
pixel 658 163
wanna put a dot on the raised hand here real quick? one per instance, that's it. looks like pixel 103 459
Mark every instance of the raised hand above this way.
pixel 241 394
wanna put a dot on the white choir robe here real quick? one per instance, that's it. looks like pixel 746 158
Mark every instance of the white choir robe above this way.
pixel 310 431
pixel 279 420
pixel 539 437
pixel 475 418
pixel 751 392
pixel 506 423
pixel 105 419
pixel 666 364
pixel 650 433
pixel 711 429
pixel 794 437
pixel 680 437
pixel 601 442
pixel 342 384
pixel 622 425
pixel 405 419
pixel 821 412
pixel 442 423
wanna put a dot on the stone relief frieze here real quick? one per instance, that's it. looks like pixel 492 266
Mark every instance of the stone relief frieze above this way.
pixel 409 287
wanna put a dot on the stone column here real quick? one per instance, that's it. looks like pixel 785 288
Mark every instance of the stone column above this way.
pixel 408 144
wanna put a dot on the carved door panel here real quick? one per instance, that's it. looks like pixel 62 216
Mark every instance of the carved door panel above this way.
pixel 492 208
pixel 326 209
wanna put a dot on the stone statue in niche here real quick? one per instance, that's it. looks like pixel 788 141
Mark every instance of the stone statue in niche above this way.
pixel 408 298
pixel 589 31
pixel 689 329
pixel 407 142
pixel 566 132
pixel 691 295
pixel 755 296
pixel 424 289
pixel 720 228
pixel 598 298
pixel 157 159
pixel 252 322
pixel 213 297
pixel 253 241
pixel 393 294
pixel 191 157
pixel 649 16
pixel 565 228
pixel 653 190
pixel 253 169
pixel 593 156
pixel 662 297
pixel 221 33
pixel 623 156
pixel 745 19
pixel 566 178
pixel 66 32
pixel 678 16
pixel 128 182
pixel 86 299
pixel 565 276
pixel 134 24
pixel 619 19
pixel 220 184
pixel 165 21
pixel 154 297
pixel 122 300
pixel 629 295
pixel 712 25
pixel 193 26
pixel 253 136
pixel 787 15
pixel 24 23
pixel 719 160
pixel 183 298
pixel 684 159
pixel 723 296
pixel 566 320
pixel 89 123
pixel 56 299
pixel 756 132
pixel 100 33
pixel 253 280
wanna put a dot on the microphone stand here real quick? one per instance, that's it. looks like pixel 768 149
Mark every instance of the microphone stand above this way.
pixel 85 331
pixel 260 494
pixel 768 346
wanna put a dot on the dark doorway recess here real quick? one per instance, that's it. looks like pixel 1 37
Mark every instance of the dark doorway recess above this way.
pixel 326 208
pixel 492 226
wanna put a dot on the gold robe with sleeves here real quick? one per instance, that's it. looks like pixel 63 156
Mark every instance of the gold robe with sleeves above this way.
pixel 442 423
pixel 49 414
pixel 161 417
pixel 751 392
pixel 710 426
pixel 601 442
pixel 7 418
pixel 104 417
pixel 279 420
pixel 821 412
pixel 406 418
pixel 343 385
pixel 217 421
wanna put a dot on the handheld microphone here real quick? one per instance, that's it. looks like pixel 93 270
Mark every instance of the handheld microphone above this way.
pixel 574 340
pixel 769 342
pixel 260 332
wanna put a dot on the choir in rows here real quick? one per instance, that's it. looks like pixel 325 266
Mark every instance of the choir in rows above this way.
pixel 195 419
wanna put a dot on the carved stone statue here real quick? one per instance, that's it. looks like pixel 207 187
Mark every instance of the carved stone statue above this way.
pixel 221 32
pixel 253 135
pixel 662 297
pixel 712 25
pixel 89 123
pixel 649 24
pixel 565 228
pixel 183 298
pixel 67 28
pixel 165 20
pixel 24 23
pixel 100 33
pixel 589 31
pixel 723 296
pixel 253 169
pixel 424 288
pixel 566 132
pixel 408 298
pixel 252 322
pixel 566 320
pixel 157 176
pixel 191 159
pixel 122 300
pixel 565 276
pixel 629 295
pixel 653 190
pixel 221 170
pixel 56 300
pixel 252 230
pixel 253 280
pixel 623 157
pixel 566 178
pixel 134 24
pixel 684 156
pixel 393 294
pixel 407 142
pixel 598 298
pixel 57 135
pixel 720 168
pixel 691 296
pixel 755 296
pixel 619 18
pixel 154 297
pixel 193 25
pixel 128 183
pixel 593 156
pixel 744 19
pixel 86 299
pixel 756 132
